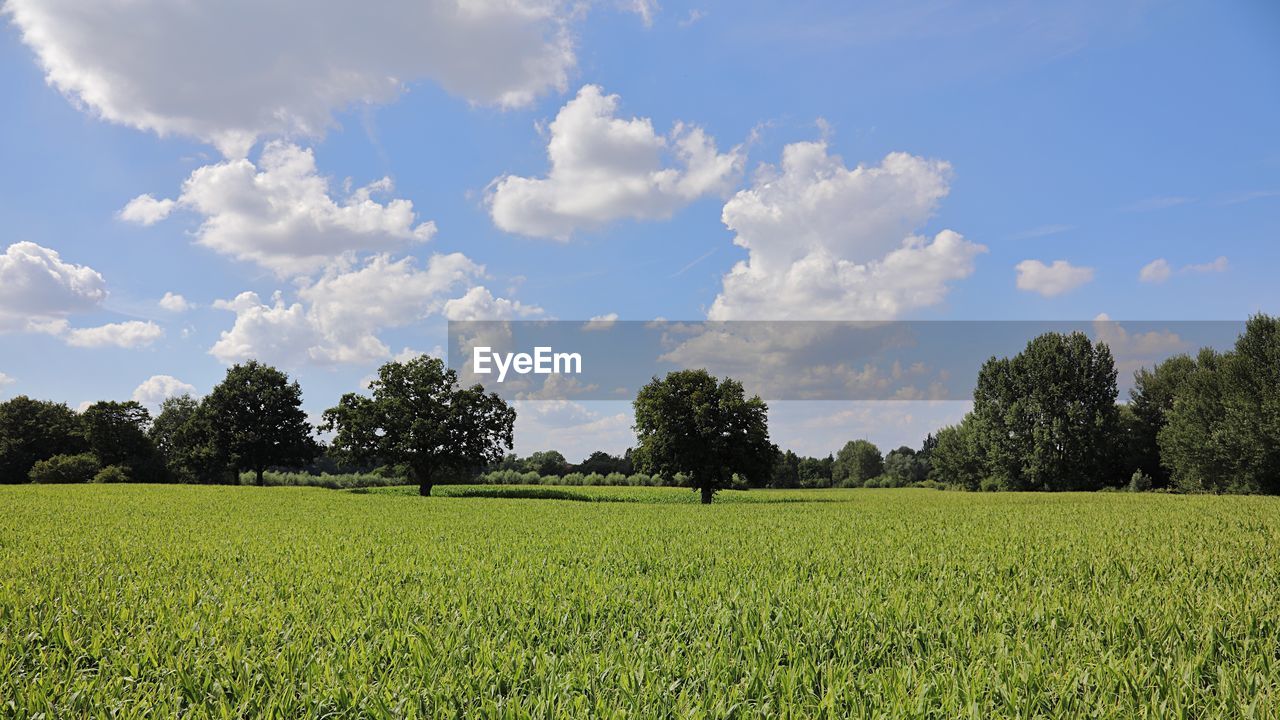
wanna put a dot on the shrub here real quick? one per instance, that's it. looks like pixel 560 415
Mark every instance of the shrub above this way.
pixel 112 474
pixel 1140 482
pixel 65 469
pixel 991 484
pixel 615 478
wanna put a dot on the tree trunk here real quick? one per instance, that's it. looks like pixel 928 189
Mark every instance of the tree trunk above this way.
pixel 258 472
pixel 424 489
pixel 707 493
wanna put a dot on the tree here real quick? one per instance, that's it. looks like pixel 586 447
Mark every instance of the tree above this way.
pixel 35 430
pixel 816 472
pixel 856 463
pixel 419 416
pixel 955 459
pixel 183 435
pixel 603 463
pixel 256 419
pixel 547 462
pixel 1151 400
pixel 117 434
pixel 905 466
pixel 689 422
pixel 1223 432
pixel 1046 418
pixel 786 471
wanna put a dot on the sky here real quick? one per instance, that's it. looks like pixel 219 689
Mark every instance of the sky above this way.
pixel 323 186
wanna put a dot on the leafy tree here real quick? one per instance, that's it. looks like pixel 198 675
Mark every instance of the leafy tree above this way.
pixel 689 422
pixel 603 463
pixel 78 468
pixel 183 435
pixel 955 458
pixel 547 462
pixel 905 466
pixel 419 416
pixel 856 463
pixel 1150 401
pixel 786 471
pixel 117 434
pixel 816 472
pixel 1046 418
pixel 256 419
pixel 1223 433
pixel 35 430
pixel 1190 444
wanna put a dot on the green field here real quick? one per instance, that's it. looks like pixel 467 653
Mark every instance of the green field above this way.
pixel 163 601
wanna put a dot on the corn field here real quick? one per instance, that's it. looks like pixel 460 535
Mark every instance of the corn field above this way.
pixel 223 602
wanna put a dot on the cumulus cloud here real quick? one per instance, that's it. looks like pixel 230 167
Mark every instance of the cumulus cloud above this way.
pixel 156 389
pixel 828 242
pixel 174 303
pixel 1051 280
pixel 130 334
pixel 480 304
pixel 280 214
pixel 1216 266
pixel 606 168
pixel 1156 271
pixel 38 289
pixel 6 380
pixel 231 72
pixel 146 210
pixel 337 318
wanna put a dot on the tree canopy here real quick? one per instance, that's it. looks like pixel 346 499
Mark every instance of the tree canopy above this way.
pixel 419 416
pixel 256 419
pixel 689 422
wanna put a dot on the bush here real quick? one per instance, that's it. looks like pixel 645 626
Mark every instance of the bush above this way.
pixel 1140 482
pixel 991 484
pixel 65 469
pixel 112 474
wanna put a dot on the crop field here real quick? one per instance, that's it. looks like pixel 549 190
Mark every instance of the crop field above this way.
pixel 167 601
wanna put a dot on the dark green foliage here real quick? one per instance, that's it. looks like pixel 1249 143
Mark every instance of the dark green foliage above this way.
pixel 856 463
pixel 955 458
pixel 816 472
pixel 905 466
pixel 691 423
pixel 256 419
pixel 419 416
pixel 547 462
pixel 603 463
pixel 786 470
pixel 1223 431
pixel 62 469
pixel 34 430
pixel 183 435
pixel 1046 419
pixel 113 474
pixel 1150 401
pixel 117 434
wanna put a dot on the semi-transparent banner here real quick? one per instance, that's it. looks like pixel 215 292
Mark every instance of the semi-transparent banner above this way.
pixel 779 360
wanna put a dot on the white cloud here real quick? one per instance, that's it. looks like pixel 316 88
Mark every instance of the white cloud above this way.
pixel 1051 280
pixel 146 210
pixel 130 334
pixel 230 72
pixel 480 304
pixel 646 9
pixel 1156 271
pixel 574 428
pixel 828 242
pixel 600 322
pixel 1220 264
pixel 174 303
pixel 6 380
pixel 280 215
pixel 605 168
pixel 337 318
pixel 156 389
pixel 38 290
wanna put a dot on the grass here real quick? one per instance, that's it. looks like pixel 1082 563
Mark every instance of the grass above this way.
pixel 164 601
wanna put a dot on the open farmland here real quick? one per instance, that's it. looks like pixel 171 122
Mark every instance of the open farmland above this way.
pixel 161 601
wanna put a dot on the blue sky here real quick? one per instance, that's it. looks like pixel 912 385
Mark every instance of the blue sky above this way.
pixel 1134 142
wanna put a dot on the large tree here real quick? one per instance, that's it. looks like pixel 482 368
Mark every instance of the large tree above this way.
pixel 856 463
pixel 1046 418
pixel 1150 402
pixel 35 430
pixel 256 419
pixel 691 423
pixel 117 434
pixel 183 436
pixel 420 417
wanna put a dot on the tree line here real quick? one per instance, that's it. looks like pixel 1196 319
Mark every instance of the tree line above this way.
pixel 1044 419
